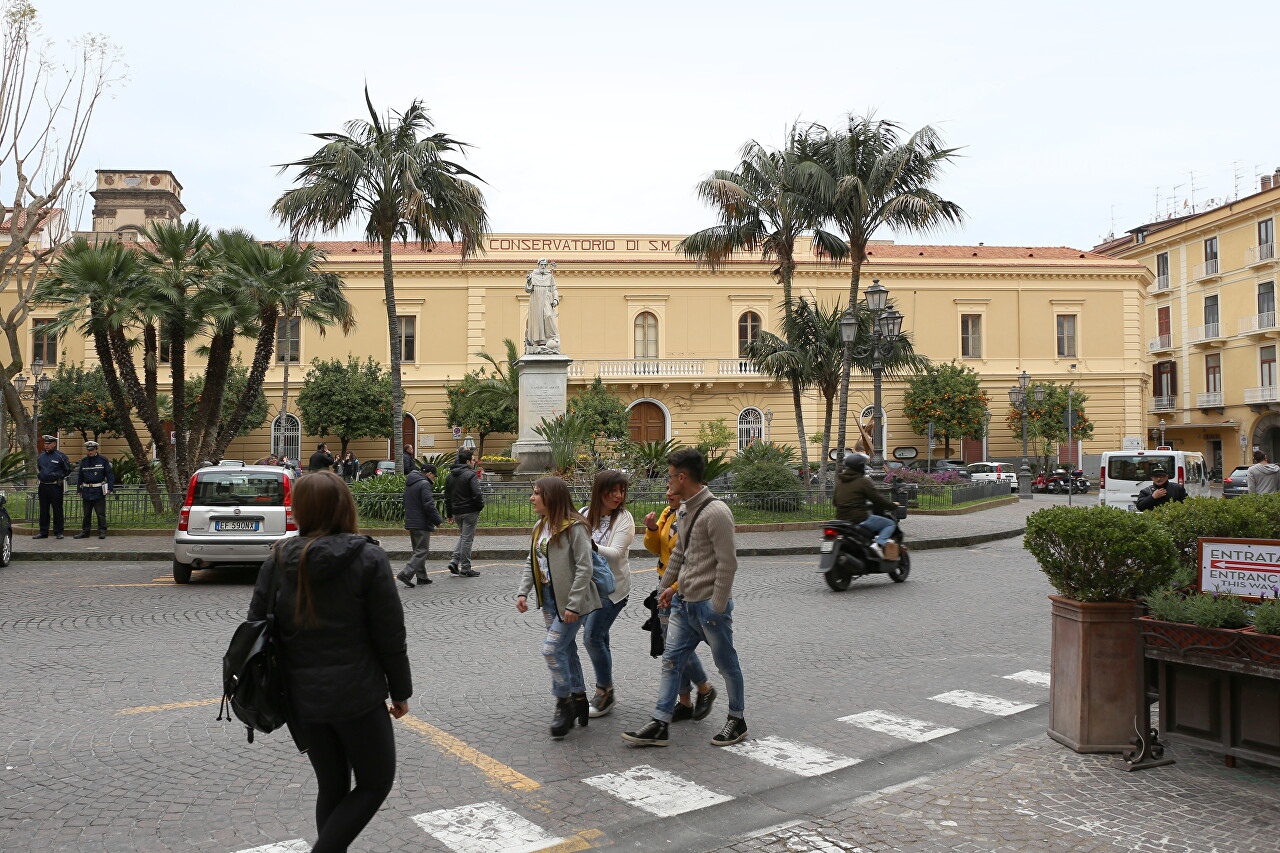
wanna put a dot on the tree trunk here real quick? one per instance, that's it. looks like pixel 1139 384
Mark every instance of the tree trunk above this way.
pixel 204 427
pixel 786 269
pixel 18 416
pixel 116 393
pixel 826 440
pixel 146 408
pixel 262 352
pixel 393 329
pixel 178 381
pixel 855 281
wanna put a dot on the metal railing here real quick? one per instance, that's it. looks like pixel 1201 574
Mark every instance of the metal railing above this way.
pixel 629 368
pixel 1261 394
pixel 1208 269
pixel 1160 342
pixel 1161 283
pixel 1207 332
pixel 1260 254
pixel 1264 322
pixel 1209 399
pixel 1163 403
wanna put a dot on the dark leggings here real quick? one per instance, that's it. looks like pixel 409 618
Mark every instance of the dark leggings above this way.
pixel 364 745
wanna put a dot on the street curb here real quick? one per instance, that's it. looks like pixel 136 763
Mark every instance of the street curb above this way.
pixel 519 553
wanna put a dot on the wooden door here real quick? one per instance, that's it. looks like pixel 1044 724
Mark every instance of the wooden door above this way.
pixel 648 422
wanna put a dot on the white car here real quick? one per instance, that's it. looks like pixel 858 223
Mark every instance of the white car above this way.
pixel 1005 472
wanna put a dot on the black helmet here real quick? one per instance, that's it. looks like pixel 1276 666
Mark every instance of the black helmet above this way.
pixel 856 461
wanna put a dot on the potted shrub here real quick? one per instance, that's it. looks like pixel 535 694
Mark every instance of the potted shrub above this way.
pixel 498 464
pixel 1100 560
pixel 1263 636
pixel 1203 622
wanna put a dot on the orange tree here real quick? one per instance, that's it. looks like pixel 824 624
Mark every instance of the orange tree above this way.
pixel 1047 419
pixel 951 398
pixel 77 400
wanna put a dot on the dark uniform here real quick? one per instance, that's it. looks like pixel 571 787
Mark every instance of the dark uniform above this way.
pixel 1172 492
pixel 52 467
pixel 95 472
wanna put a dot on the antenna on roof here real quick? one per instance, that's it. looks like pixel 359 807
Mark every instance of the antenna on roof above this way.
pixel 1236 174
pixel 1193 190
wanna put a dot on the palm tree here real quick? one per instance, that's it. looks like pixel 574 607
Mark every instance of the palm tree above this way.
pixel 388 172
pixel 765 204
pixel 878 179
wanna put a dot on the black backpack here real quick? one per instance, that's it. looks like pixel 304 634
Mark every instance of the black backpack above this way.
pixel 252 675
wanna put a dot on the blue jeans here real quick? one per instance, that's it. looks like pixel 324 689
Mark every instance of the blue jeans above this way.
pixel 879 525
pixel 560 651
pixel 595 639
pixel 694 622
pixel 693 672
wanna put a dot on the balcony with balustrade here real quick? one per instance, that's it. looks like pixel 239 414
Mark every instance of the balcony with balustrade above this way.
pixel 1209 400
pixel 1208 335
pixel 1160 344
pixel 1260 325
pixel 1160 285
pixel 1164 403
pixel 1207 271
pixel 663 369
pixel 1262 256
pixel 1261 398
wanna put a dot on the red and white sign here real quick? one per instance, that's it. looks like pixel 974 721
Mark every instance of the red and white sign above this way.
pixel 1249 568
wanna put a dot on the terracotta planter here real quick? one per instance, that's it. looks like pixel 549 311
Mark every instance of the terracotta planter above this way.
pixel 1218 642
pixel 1262 648
pixel 1095 660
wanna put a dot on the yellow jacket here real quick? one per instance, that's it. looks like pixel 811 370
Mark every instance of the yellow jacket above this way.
pixel 663 540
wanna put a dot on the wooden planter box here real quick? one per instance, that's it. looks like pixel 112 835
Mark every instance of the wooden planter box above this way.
pixel 1094 689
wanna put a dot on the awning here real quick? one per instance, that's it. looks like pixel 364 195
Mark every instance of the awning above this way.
pixel 1215 425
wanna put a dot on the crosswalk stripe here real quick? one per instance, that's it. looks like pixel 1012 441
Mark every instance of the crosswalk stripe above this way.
pixel 809 841
pixel 981 702
pixel 898 726
pixel 296 845
pixel 485 828
pixel 656 791
pixel 794 757
pixel 1031 676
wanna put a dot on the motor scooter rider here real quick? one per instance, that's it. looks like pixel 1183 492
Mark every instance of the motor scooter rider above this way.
pixel 853 491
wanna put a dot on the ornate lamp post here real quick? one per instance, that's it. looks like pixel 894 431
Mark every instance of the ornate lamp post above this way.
pixel 768 423
pixel 1021 400
pixel 1162 426
pixel 38 390
pixel 886 328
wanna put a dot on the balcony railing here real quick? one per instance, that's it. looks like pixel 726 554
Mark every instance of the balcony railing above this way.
pixel 1163 404
pixel 1260 254
pixel 644 368
pixel 1208 269
pixel 1160 343
pixel 1161 283
pixel 1261 394
pixel 1209 400
pixel 1263 322
pixel 1204 333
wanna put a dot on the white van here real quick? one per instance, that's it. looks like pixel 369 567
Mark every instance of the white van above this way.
pixel 1125 472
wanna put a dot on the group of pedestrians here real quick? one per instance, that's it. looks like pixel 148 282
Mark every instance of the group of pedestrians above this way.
pixel 94 481
pixel 463 501
pixel 348 466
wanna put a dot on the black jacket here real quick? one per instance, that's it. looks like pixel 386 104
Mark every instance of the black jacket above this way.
pixel 420 511
pixel 409 464
pixel 1173 492
pixel 851 496
pixel 462 491
pixel 354 653
pixel 94 471
pixel 321 461
pixel 53 467
pixel 350 467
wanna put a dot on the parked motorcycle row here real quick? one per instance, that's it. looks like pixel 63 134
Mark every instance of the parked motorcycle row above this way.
pixel 1060 482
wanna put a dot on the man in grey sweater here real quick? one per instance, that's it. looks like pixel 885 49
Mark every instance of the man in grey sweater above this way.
pixel 1264 476
pixel 704 562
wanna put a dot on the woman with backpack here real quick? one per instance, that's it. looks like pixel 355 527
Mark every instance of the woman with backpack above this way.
pixel 341 639
pixel 612 529
pixel 558 573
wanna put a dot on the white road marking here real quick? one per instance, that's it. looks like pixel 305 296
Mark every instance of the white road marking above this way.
pixel 296 845
pixel 485 828
pixel 809 841
pixel 794 757
pixel 1031 676
pixel 982 702
pixel 656 791
pixel 899 727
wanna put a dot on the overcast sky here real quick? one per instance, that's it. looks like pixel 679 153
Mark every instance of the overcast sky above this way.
pixel 592 117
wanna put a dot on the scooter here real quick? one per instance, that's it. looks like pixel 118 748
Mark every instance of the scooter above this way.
pixel 846 553
pixel 1079 482
pixel 1040 484
pixel 1059 483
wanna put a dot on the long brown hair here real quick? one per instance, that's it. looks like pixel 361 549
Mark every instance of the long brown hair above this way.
pixel 605 482
pixel 557 500
pixel 322 506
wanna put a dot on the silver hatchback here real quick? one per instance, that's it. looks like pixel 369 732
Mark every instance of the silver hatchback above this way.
pixel 232 514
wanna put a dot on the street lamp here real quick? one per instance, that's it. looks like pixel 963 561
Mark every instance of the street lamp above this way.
pixel 768 422
pixel 1020 399
pixel 1162 425
pixel 886 327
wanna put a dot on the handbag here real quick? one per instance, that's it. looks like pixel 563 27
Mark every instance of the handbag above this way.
pixel 252 675
pixel 602 574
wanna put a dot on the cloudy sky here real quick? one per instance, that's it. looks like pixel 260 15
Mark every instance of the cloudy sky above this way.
pixel 592 117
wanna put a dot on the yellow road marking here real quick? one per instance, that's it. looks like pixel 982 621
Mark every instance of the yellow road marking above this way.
pixel 491 767
pixel 576 842
pixel 146 709
pixel 100 585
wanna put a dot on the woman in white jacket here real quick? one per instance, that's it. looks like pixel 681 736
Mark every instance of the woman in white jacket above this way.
pixel 612 529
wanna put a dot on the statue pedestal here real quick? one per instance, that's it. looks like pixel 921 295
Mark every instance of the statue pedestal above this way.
pixel 544 389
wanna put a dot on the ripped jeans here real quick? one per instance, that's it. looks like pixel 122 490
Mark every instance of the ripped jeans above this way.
pixel 560 651
pixel 694 622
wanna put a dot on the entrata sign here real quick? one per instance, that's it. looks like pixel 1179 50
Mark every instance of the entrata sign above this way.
pixel 1249 568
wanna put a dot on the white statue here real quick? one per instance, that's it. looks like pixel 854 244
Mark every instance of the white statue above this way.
pixel 542 334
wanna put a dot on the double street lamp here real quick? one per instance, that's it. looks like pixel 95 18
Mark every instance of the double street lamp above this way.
pixel 886 328
pixel 1020 397
pixel 38 390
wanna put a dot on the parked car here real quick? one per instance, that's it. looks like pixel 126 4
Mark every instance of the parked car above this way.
pixel 1236 483
pixel 232 515
pixel 938 465
pixel 989 471
pixel 376 469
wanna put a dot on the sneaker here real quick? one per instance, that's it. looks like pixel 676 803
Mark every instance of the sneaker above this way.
pixel 453 568
pixel 423 579
pixel 406 580
pixel 602 703
pixel 681 713
pixel 877 550
pixel 468 573
pixel 652 733
pixel 702 706
pixel 734 731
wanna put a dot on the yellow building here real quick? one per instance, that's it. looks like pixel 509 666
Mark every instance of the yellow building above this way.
pixel 666 335
pixel 1210 316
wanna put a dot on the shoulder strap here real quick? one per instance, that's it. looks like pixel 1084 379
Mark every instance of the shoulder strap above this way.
pixel 688 531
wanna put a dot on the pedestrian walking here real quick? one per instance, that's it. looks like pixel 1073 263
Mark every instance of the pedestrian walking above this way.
pixel 463 501
pixel 350 467
pixel 420 518
pixel 341 640
pixel 660 536
pixel 704 563
pixel 558 572
pixel 1160 492
pixel 1263 476
pixel 612 530
pixel 52 468
pixel 410 464
pixel 321 460
pixel 95 481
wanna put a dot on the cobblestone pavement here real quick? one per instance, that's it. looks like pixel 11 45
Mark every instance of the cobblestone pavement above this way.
pixel 109 680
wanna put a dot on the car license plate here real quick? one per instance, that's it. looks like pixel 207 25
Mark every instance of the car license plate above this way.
pixel 240 525
pixel 827 546
pixel 1132 508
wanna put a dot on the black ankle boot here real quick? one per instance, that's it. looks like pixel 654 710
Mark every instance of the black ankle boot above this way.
pixel 563 719
pixel 581 708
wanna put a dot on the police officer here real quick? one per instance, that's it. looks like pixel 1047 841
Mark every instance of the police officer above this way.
pixel 1160 492
pixel 96 479
pixel 52 467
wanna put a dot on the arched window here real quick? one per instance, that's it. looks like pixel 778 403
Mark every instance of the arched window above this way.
pixel 750 427
pixel 646 333
pixel 748 331
pixel 286 436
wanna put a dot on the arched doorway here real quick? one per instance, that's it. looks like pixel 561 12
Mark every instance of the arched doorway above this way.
pixel 1266 437
pixel 286 436
pixel 648 422
pixel 409 433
